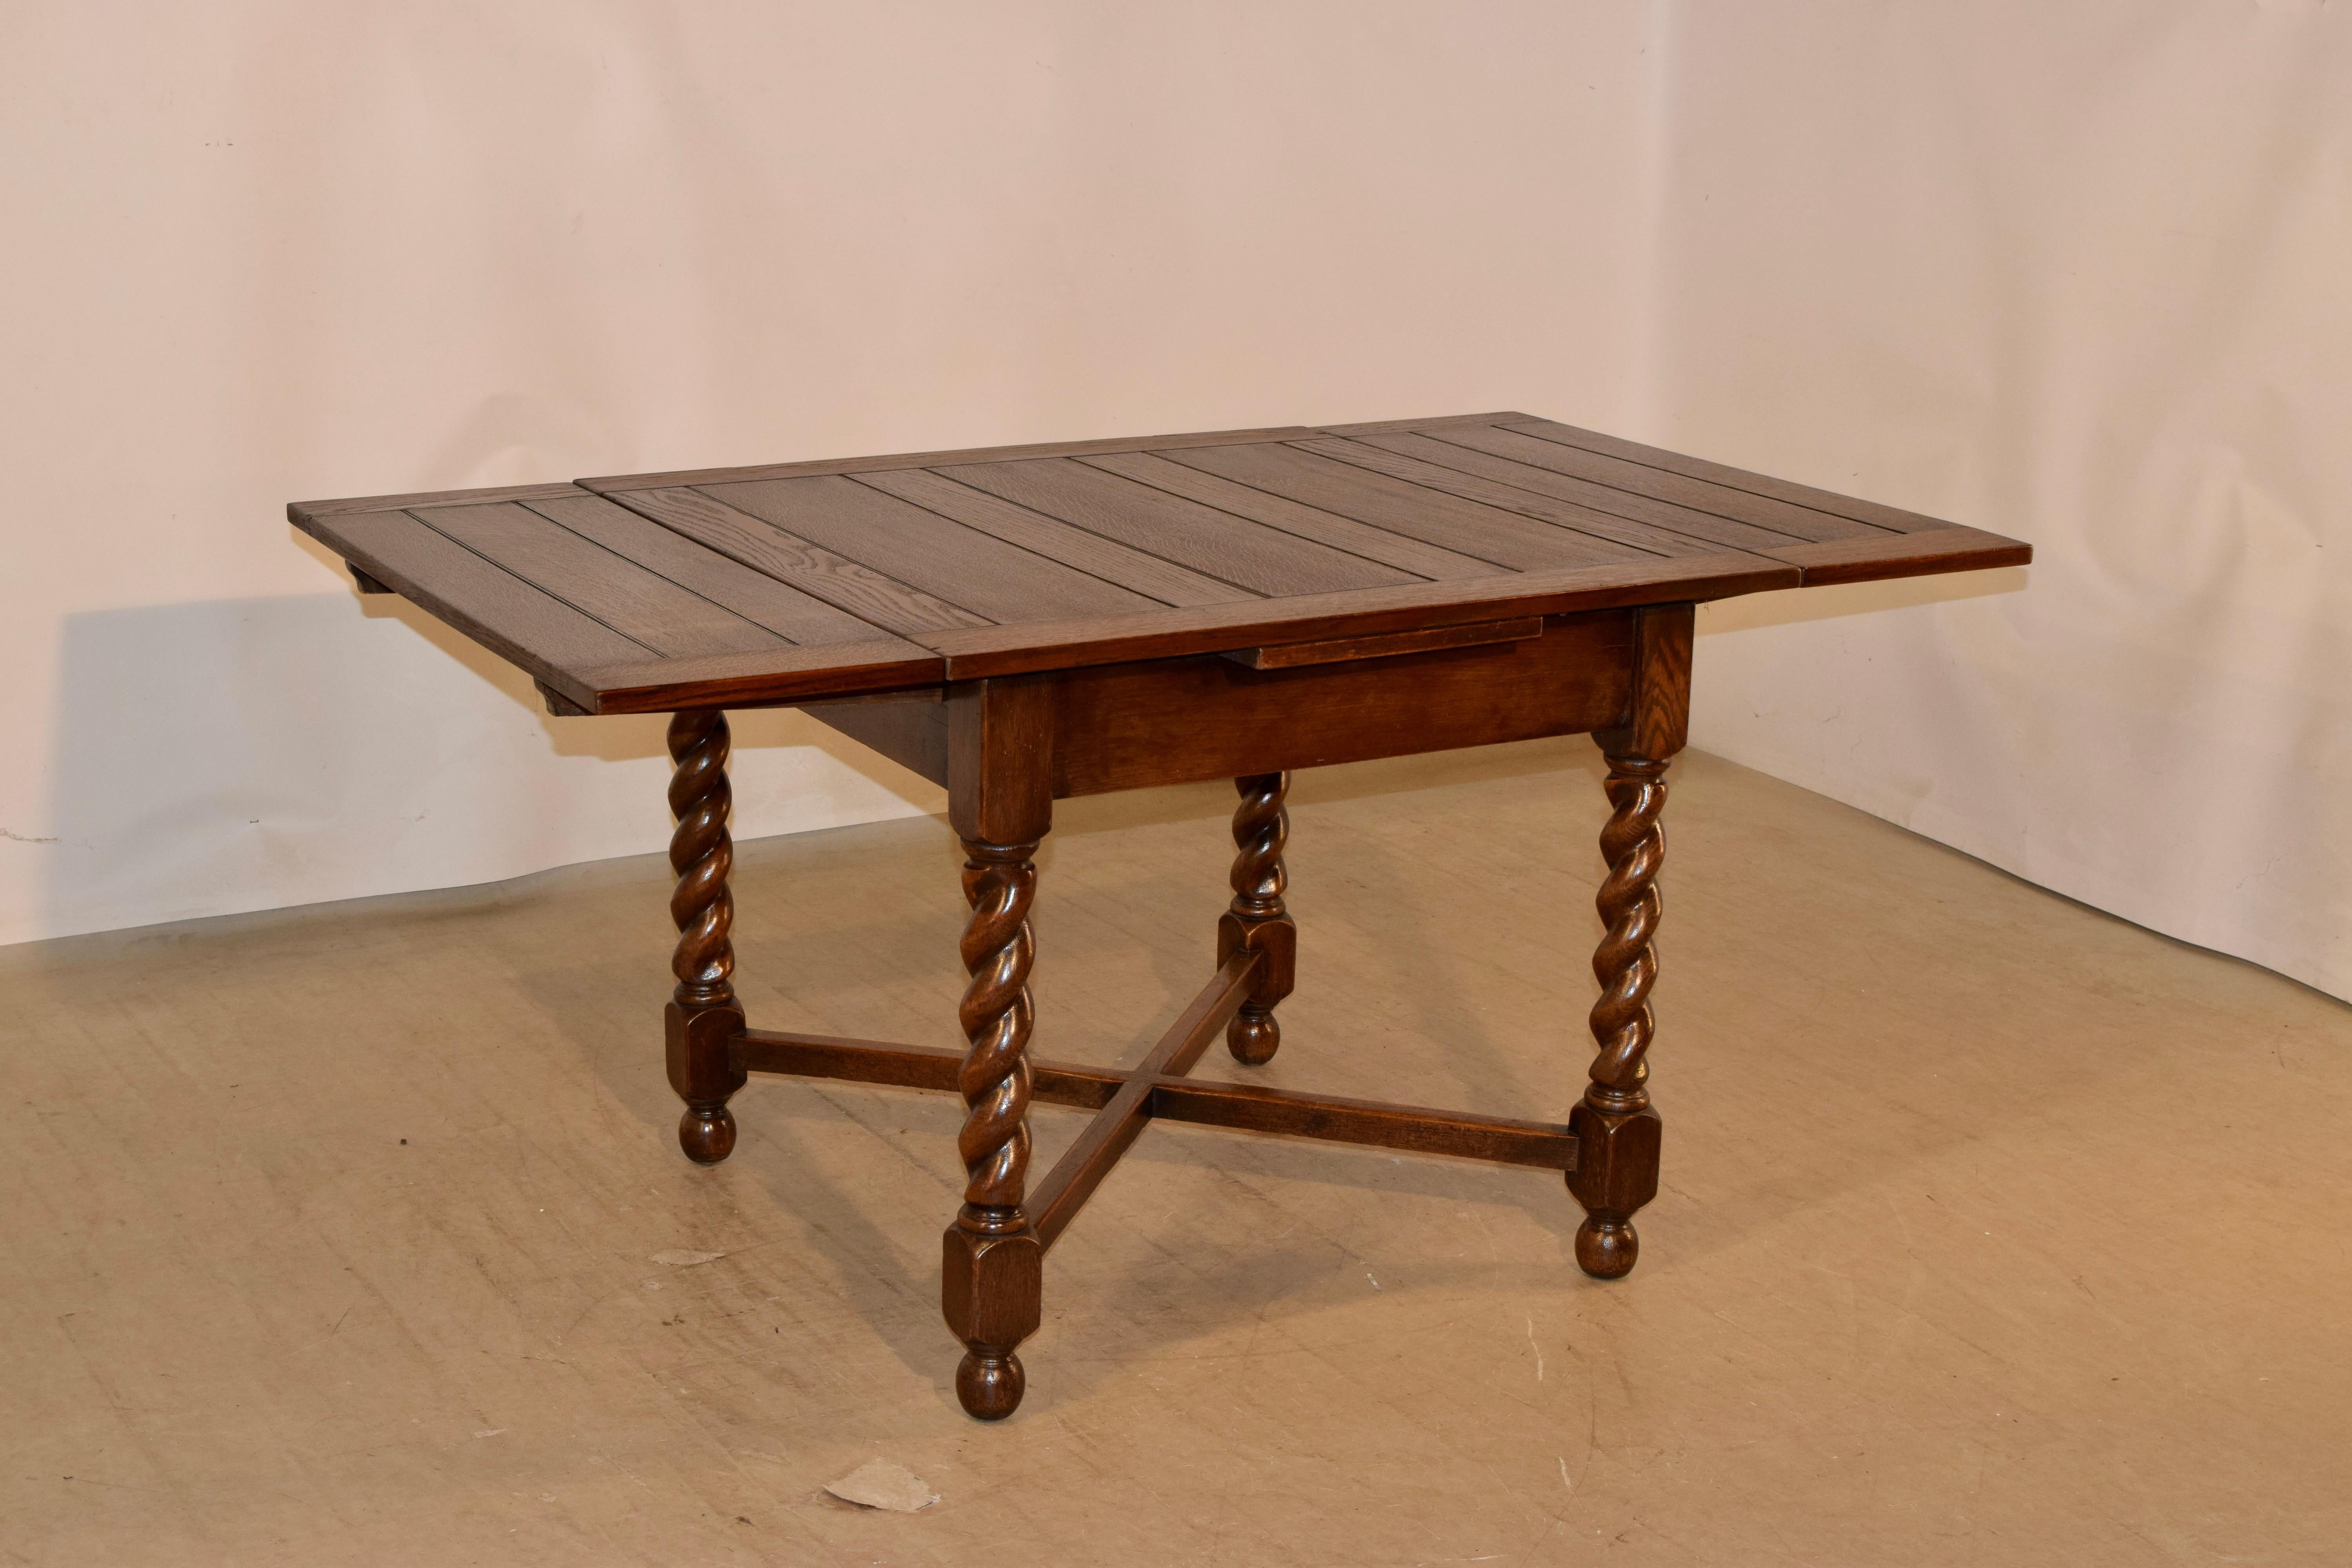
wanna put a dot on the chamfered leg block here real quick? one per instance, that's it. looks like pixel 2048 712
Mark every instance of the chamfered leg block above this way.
pixel 703 1018
pixel 1257 922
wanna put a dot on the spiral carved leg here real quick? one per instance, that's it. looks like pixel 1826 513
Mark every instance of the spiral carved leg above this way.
pixel 1256 920
pixel 992 1278
pixel 1618 1133
pixel 703 1018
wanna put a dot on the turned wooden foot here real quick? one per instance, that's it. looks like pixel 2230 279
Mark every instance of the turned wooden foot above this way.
pixel 1256 920
pixel 707 1133
pixel 703 1020
pixel 989 1387
pixel 991 1273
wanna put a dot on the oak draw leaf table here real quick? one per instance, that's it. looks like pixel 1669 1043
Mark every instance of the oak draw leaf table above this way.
pixel 1020 624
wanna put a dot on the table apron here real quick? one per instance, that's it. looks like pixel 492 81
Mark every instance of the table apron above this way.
pixel 1180 721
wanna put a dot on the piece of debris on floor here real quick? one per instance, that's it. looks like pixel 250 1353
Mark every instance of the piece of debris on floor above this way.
pixel 679 1258
pixel 882 1483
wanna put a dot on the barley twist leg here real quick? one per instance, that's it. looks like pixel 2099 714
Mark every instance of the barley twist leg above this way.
pixel 703 1017
pixel 1258 920
pixel 1001 882
pixel 1617 1159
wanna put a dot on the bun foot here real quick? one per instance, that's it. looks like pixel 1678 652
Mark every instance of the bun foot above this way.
pixel 707 1133
pixel 1252 1037
pixel 989 1387
pixel 1606 1248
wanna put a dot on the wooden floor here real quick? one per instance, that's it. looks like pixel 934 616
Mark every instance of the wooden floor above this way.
pixel 1993 1230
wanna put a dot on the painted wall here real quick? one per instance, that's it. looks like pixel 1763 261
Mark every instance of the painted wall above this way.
pixel 2082 274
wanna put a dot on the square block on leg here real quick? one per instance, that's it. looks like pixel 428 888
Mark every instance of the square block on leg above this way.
pixel 1616 1159
pixel 992 1288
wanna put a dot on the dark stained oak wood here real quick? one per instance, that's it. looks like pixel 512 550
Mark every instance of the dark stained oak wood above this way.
pixel 303 512
pixel 1799 523
pixel 1165 721
pixel 1280 512
pixel 1257 921
pixel 1002 741
pixel 1252 1107
pixel 643 605
pixel 1657 716
pixel 1381 426
pixel 1071 553
pixel 1134 726
pixel 943 558
pixel 1022 623
pixel 1536 503
pixel 1924 554
pixel 1401 507
pixel 541 634
pixel 1617 1131
pixel 874 596
pixel 912 730
pixel 1662 517
pixel 990 1274
pixel 1087 1160
pixel 1412 1128
pixel 1000 802
pixel 703 1018
pixel 1340 650
pixel 1722 474
pixel 1202 538
pixel 761 599
pixel 558 704
pixel 910 1067
pixel 1108 559
pixel 762 680
pixel 1214 629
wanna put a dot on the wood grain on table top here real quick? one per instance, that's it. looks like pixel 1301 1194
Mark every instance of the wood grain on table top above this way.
pixel 736 586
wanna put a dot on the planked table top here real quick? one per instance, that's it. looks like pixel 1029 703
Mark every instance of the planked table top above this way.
pixel 731 587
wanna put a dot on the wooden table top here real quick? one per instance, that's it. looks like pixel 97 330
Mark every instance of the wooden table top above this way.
pixel 730 587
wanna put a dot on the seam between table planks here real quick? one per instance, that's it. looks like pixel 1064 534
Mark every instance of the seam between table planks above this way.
pixel 1404 544
pixel 1811 497
pixel 620 588
pixel 438 601
pixel 996 580
pixel 1513 540
pixel 766 583
pixel 694 679
pixel 827 586
pixel 1587 495
pixel 1684 490
pixel 869 477
pixel 1464 485
pixel 1088 473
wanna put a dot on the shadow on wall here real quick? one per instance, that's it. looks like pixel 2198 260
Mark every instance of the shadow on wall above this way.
pixel 253 753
